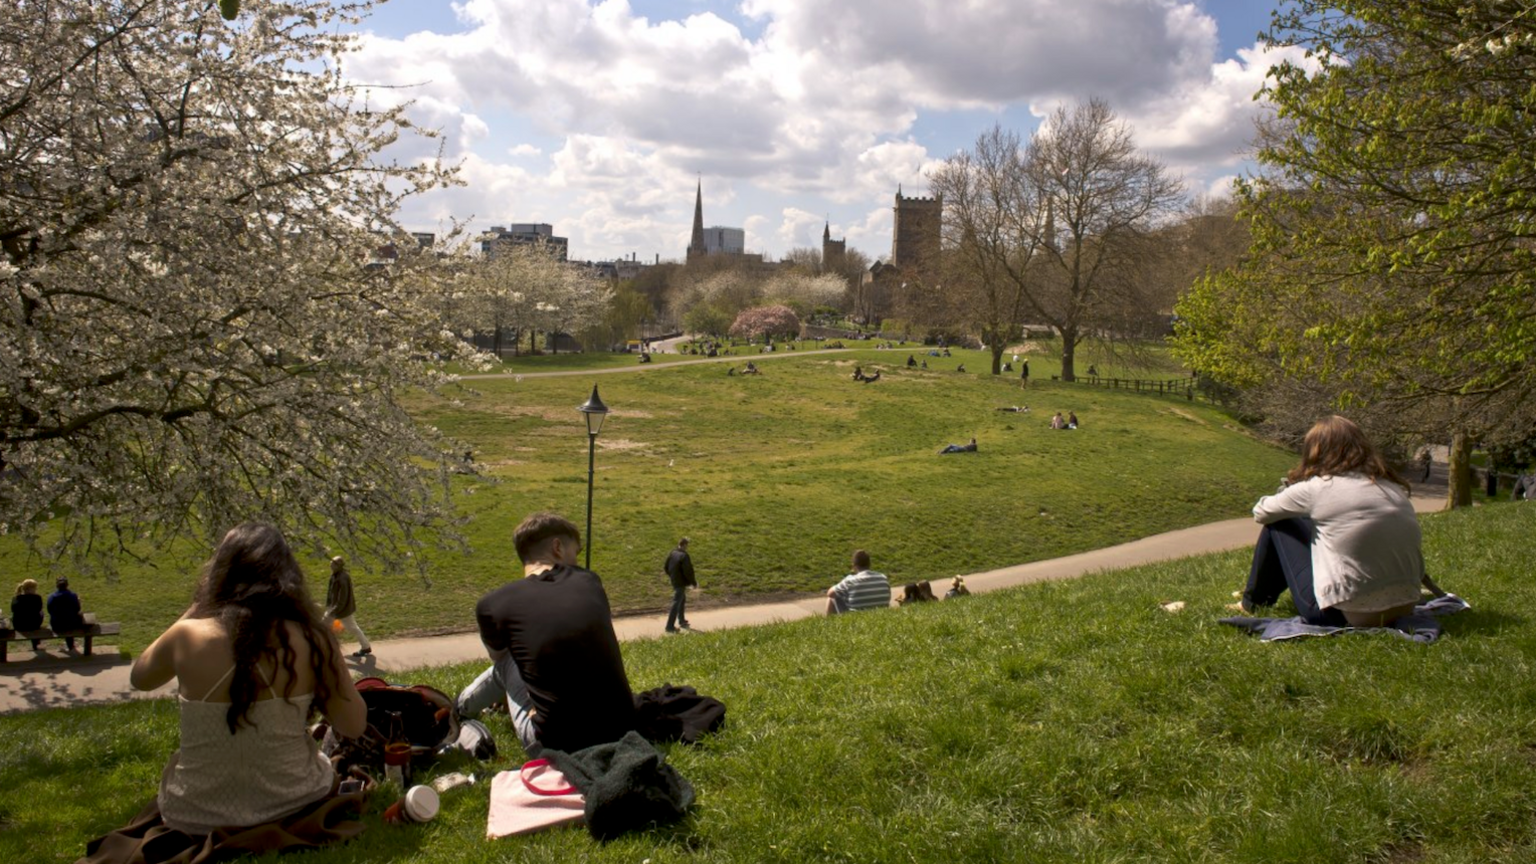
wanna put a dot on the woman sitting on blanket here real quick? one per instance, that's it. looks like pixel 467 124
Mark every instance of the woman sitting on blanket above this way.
pixel 1341 534
pixel 252 663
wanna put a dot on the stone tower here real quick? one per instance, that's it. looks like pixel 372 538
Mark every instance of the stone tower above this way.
pixel 833 252
pixel 696 244
pixel 915 240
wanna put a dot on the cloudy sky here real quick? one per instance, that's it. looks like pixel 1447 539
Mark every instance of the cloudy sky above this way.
pixel 599 117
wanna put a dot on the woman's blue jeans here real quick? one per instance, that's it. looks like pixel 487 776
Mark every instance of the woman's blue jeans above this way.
pixel 1282 561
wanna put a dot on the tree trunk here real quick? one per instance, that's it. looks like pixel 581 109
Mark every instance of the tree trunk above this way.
pixel 1459 472
pixel 1068 352
pixel 996 344
pixel 496 342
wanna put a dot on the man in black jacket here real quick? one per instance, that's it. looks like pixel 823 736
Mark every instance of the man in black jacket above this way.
pixel 679 569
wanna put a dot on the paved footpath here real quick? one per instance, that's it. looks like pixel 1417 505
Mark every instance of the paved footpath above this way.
pixel 52 680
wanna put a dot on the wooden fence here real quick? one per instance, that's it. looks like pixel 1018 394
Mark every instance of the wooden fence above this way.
pixel 1187 387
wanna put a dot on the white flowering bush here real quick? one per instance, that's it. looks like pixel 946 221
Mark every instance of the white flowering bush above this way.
pixel 207 313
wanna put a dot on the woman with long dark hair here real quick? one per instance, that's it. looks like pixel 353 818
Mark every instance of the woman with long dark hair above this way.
pixel 1341 535
pixel 252 662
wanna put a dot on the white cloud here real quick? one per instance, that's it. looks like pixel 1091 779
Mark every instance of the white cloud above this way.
pixel 1206 124
pixel 590 116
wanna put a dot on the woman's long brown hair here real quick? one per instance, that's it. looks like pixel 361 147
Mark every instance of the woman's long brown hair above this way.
pixel 253 586
pixel 1336 445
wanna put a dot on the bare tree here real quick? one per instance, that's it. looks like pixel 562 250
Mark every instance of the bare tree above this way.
pixel 994 225
pixel 1103 200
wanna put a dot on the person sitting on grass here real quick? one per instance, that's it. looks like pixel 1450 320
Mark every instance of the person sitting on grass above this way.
pixel 959 448
pixel 862 589
pixel 858 373
pixel 252 663
pixel 1341 535
pixel 911 361
pixel 1071 419
pixel 555 660
pixel 1057 422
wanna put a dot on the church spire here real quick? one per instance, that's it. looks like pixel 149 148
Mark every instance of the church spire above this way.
pixel 696 244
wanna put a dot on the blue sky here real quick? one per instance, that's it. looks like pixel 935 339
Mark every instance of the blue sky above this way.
pixel 599 117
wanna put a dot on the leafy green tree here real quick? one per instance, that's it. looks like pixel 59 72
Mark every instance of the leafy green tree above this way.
pixel 1392 265
pixel 707 319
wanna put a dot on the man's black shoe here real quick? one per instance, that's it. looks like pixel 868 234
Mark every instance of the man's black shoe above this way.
pixel 362 652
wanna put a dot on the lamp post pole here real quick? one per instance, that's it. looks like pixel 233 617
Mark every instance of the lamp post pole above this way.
pixel 595 412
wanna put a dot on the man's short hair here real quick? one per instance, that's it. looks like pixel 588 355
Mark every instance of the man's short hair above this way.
pixel 683 542
pixel 61 582
pixel 860 561
pixel 539 527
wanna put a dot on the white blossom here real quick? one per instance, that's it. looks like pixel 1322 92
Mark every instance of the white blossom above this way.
pixel 191 333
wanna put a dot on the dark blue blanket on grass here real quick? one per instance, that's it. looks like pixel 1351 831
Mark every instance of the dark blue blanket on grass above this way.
pixel 1421 626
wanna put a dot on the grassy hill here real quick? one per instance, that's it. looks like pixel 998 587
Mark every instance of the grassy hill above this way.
pixel 1062 722
pixel 777 478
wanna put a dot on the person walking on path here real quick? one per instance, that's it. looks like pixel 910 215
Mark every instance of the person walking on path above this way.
pixel 27 610
pixel 862 589
pixel 341 605
pixel 679 569
pixel 64 611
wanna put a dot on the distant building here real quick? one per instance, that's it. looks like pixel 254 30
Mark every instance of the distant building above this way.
pixel 389 252
pixel 719 240
pixel 834 253
pixel 910 281
pixel 524 234
pixel 915 238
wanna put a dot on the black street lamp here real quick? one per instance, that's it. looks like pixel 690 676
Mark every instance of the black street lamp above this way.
pixel 595 411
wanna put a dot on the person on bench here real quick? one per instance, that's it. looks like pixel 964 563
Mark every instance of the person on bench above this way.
pixel 27 610
pixel 252 662
pixel 64 611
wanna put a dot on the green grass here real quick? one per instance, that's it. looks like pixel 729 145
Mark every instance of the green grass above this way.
pixel 777 478
pixel 1073 721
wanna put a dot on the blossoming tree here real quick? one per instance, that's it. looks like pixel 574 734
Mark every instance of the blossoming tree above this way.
pixel 766 322
pixel 206 312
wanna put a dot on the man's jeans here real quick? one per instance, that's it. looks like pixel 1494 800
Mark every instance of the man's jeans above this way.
pixel 676 618
pixel 503 680
pixel 1282 561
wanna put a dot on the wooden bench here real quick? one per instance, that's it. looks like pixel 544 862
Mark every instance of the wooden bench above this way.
pixel 90 631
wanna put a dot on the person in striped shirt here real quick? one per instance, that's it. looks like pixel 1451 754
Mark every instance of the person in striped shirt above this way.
pixel 862 589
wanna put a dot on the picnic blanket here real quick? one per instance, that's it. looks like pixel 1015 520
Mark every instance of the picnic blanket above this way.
pixel 1423 625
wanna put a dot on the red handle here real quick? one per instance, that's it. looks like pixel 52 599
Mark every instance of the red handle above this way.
pixel 540 763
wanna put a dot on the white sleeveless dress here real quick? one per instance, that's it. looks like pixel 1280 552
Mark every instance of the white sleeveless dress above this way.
pixel 265 771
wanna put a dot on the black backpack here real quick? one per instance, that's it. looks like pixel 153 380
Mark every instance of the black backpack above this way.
pixel 422 715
